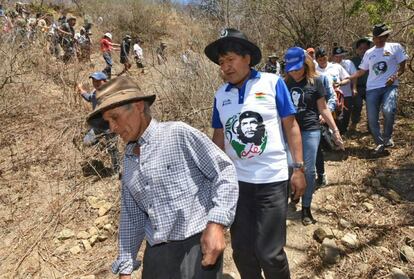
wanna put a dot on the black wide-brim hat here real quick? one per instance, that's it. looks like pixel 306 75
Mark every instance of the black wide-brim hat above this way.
pixel 380 30
pixel 233 35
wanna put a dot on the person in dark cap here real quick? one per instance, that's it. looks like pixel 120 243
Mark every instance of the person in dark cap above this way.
pixel 179 190
pixel 385 63
pixel 252 112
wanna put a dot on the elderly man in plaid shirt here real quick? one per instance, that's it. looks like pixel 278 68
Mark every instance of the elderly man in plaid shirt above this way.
pixel 179 190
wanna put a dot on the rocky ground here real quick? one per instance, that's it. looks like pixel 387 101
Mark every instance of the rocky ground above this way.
pixel 59 207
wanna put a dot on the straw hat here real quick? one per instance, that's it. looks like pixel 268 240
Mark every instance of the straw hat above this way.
pixel 117 92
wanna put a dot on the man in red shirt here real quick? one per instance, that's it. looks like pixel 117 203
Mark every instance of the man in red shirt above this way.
pixel 106 47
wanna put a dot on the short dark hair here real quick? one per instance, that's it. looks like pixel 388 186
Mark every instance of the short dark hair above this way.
pixel 235 47
pixel 362 41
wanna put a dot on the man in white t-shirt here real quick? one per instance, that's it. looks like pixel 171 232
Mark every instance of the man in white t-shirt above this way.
pixel 338 78
pixel 139 54
pixel 348 89
pixel 385 63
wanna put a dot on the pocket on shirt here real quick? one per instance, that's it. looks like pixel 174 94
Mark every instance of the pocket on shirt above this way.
pixel 170 179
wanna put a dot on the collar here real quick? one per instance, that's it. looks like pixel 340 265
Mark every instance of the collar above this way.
pixel 253 74
pixel 145 137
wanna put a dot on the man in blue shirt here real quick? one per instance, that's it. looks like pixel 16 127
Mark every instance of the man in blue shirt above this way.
pixel 94 134
pixel 179 190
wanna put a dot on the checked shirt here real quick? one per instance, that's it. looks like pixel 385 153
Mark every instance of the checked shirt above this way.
pixel 179 182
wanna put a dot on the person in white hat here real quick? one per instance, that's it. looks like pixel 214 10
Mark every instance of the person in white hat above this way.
pixel 106 47
pixel 179 190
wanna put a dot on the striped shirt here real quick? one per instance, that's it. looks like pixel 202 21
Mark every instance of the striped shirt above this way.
pixel 178 183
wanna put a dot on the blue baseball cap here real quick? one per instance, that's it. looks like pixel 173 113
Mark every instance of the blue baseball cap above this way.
pixel 294 59
pixel 98 76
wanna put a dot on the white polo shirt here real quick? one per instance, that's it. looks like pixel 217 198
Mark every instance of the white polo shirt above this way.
pixel 251 121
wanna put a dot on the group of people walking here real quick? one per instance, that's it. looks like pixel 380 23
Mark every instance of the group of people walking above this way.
pixel 181 191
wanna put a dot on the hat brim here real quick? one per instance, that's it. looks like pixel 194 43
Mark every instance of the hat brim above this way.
pixel 95 118
pixel 211 50
pixel 341 54
pixel 387 32
pixel 294 66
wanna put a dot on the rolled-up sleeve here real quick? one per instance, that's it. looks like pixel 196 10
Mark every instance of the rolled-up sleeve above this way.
pixel 131 234
pixel 217 168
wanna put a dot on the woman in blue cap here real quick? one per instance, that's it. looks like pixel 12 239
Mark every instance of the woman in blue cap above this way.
pixel 308 96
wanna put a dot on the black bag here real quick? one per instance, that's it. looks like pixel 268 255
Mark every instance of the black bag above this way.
pixel 327 139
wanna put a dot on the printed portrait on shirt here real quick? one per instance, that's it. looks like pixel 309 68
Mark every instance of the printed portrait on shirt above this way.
pixel 298 98
pixel 380 67
pixel 247 134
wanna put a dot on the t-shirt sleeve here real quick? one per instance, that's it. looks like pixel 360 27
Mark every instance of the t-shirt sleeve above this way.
pixel 320 88
pixel 364 63
pixel 343 74
pixel 216 122
pixel 401 54
pixel 284 103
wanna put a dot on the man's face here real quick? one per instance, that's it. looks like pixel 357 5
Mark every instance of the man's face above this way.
pixel 322 61
pixel 235 67
pixel 249 126
pixel 337 58
pixel 72 22
pixel 380 41
pixel 362 49
pixel 273 60
pixel 128 123
pixel 97 83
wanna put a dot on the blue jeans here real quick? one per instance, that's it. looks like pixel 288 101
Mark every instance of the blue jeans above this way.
pixel 310 143
pixel 385 97
pixel 108 60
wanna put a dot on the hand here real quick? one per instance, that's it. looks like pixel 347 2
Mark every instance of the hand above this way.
pixel 212 243
pixel 321 120
pixel 355 92
pixel 79 88
pixel 298 184
pixel 391 80
pixel 338 140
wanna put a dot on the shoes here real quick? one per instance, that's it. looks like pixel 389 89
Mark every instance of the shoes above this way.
pixel 352 127
pixel 321 180
pixel 389 143
pixel 379 149
pixel 307 218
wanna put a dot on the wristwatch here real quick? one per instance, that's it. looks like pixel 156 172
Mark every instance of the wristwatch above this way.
pixel 298 166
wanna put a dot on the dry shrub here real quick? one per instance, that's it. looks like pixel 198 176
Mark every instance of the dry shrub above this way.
pixel 138 18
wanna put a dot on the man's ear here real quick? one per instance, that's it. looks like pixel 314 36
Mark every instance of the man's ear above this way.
pixel 248 58
pixel 139 105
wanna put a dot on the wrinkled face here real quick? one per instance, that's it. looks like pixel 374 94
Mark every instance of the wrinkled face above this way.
pixel 128 122
pixel 297 75
pixel 380 41
pixel 97 83
pixel 235 68
pixel 249 126
pixel 362 49
pixel 322 61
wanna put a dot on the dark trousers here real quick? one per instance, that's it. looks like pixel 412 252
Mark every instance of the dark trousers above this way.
pixel 258 233
pixel 320 162
pixel 358 103
pixel 178 260
pixel 345 115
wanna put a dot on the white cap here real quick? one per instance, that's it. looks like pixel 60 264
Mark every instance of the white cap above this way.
pixel 109 35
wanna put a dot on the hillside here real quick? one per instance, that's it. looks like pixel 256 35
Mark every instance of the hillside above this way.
pixel 59 208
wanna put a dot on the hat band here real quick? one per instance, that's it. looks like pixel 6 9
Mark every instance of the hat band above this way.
pixel 130 93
